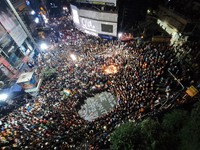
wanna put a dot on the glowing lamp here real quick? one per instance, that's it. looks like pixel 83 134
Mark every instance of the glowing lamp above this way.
pixel 3 97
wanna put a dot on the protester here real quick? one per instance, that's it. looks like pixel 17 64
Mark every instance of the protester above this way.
pixel 51 121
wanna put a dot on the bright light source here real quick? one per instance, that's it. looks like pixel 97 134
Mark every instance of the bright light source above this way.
pixel 75 16
pixel 3 97
pixel 65 8
pixel 32 12
pixel 110 69
pixel 27 3
pixel 43 46
pixel 73 57
pixel 119 35
pixel 45 18
pixel 36 20
pixel 148 11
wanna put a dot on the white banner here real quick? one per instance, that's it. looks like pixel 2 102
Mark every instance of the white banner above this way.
pixel 94 22
pixel 75 14
pixel 99 27
pixel 102 16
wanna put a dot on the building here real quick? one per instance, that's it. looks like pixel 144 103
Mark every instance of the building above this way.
pixel 180 18
pixel 96 18
pixel 108 17
pixel 17 45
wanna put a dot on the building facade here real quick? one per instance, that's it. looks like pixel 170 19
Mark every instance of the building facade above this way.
pixel 17 45
pixel 181 19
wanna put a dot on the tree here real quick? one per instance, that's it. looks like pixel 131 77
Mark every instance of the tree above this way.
pixel 151 129
pixel 175 120
pixel 48 72
pixel 147 135
pixel 178 131
pixel 156 137
pixel 172 124
pixel 127 137
pixel 190 133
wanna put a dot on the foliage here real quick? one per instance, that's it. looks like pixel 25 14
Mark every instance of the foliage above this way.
pixel 48 72
pixel 177 130
pixel 147 135
pixel 127 137
pixel 151 130
pixel 174 121
pixel 190 133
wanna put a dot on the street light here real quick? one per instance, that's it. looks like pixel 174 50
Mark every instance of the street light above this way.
pixel 3 97
pixel 119 35
pixel 176 79
pixel 43 46
pixel 65 8
pixel 73 57
pixel 36 20
pixel 32 12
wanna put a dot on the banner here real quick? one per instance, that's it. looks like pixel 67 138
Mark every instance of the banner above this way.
pixel 100 16
pixel 99 27
pixel 67 92
pixel 94 23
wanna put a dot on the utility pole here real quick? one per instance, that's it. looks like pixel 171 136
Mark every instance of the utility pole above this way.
pixel 176 79
pixel 178 92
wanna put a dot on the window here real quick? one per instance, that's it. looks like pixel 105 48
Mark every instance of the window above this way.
pixel 107 28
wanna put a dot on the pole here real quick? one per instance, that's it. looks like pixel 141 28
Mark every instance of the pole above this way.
pixel 176 79
pixel 177 93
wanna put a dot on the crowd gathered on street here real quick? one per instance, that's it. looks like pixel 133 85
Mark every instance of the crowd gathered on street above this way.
pixel 51 120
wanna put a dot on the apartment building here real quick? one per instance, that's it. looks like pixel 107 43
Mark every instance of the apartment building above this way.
pixel 17 45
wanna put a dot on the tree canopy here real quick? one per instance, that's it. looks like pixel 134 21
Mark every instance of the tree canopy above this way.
pixel 48 72
pixel 177 130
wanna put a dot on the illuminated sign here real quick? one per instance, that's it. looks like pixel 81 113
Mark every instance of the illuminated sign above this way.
pixel 192 91
pixel 87 24
pixel 75 16
pixel 95 22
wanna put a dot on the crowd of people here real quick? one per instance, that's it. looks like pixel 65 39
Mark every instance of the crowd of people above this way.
pixel 51 120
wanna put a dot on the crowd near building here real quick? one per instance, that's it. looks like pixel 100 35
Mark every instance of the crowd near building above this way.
pixel 146 78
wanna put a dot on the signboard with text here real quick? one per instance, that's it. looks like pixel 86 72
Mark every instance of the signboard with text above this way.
pixel 99 27
pixel 95 23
